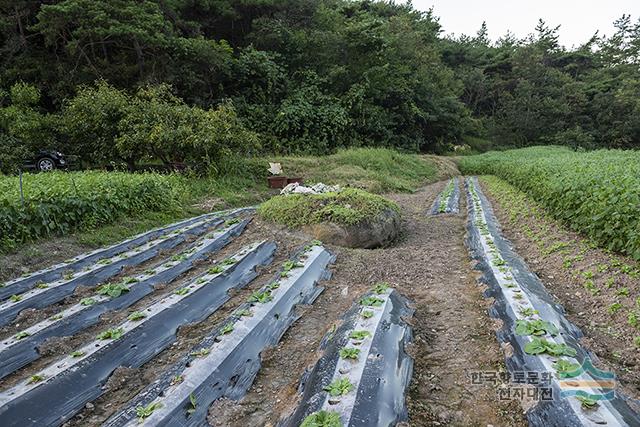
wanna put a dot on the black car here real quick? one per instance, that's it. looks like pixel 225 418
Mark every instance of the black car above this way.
pixel 47 160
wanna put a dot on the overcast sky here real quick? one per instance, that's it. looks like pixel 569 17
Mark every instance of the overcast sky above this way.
pixel 578 19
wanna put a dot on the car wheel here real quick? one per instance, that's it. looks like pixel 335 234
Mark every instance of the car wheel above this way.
pixel 46 164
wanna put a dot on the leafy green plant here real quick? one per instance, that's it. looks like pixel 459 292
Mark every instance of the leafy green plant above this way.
pixel 113 334
pixel 77 353
pixel 181 291
pixel 381 288
pixel 42 286
pixel 136 315
pixel 215 270
pixel 339 387
pixel 193 404
pixel 371 301
pixel 35 378
pixel 359 335
pixel 541 345
pixel 528 311
pixel 21 335
pixel 87 301
pixel 228 261
pixel 15 298
pixel 349 353
pixel 244 313
pixel 366 314
pixel 113 290
pixel 322 419
pixel 226 329
pixel 143 412
pixel 261 297
pixel 566 369
pixel 587 402
pixel 615 307
pixel 535 327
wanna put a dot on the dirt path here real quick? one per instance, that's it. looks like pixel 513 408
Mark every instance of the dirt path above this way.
pixel 453 333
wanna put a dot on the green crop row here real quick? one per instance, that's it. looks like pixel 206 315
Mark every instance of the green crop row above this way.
pixel 58 203
pixel 596 193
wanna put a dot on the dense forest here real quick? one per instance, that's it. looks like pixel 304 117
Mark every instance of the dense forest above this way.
pixel 125 81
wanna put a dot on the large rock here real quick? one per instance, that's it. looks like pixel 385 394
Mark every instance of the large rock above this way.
pixel 374 233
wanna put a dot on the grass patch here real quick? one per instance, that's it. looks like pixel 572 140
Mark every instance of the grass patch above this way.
pixel 348 207
pixel 377 170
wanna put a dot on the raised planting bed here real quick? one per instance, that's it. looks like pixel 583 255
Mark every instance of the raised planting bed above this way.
pixel 69 383
pixel 22 348
pixel 542 340
pixel 351 217
pixel 364 372
pixel 45 294
pixel 226 361
pixel 449 200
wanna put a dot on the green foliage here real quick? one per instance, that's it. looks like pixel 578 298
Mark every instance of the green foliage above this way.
pixel 371 301
pixel 59 203
pixel 566 369
pixel 322 419
pixel 143 412
pixel 339 387
pixel 349 353
pixel 348 207
pixel 136 315
pixel 359 335
pixel 535 327
pixel 113 290
pixel 113 334
pixel 595 193
pixel 541 345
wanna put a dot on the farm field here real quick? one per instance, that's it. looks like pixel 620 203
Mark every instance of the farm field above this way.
pixel 221 317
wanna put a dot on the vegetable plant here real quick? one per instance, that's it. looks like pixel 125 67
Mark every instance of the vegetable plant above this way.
pixel 339 387
pixel 143 412
pixel 113 290
pixel 322 419
pixel 349 353
pixel 113 334
pixel 137 315
pixel 541 345
pixel 535 327
pixel 566 369
pixel 371 301
pixel 359 335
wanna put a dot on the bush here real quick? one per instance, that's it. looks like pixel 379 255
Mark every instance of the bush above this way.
pixel 57 203
pixel 348 207
pixel 596 193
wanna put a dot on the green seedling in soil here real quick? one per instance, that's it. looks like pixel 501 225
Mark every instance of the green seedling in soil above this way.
pixel 508 277
pixel 603 268
pixel 322 419
pixel 290 265
pixel 42 286
pixel 67 276
pixel 615 307
pixel 381 288
pixel 541 345
pixel 177 379
pixel 510 285
pixel 232 221
pixel 15 298
pixel 57 317
pixel 227 329
pixel 371 301
pixel 636 341
pixel 349 353
pixel 591 287
pixel 367 314
pixel 143 412
pixel 182 291
pixel 113 290
pixel 136 315
pixel 261 297
pixel 517 296
pixel 528 311
pixel 201 280
pixel 566 369
pixel 273 285
pixel 632 318
pixel 587 274
pixel 35 379
pixel 587 402
pixel 178 258
pixel 200 353
pixel 87 301
pixel 498 262
pixel 149 272
pixel 111 334
pixel 535 327
pixel 215 270
pixel 21 335
pixel 228 261
pixel 567 263
pixel 339 387
pixel 359 335
pixel 312 244
pixel 610 282
pixel 623 292
pixel 244 313
pixel 192 404
pixel 77 354
pixel 503 269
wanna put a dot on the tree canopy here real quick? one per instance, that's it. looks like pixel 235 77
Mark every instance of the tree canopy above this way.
pixel 180 80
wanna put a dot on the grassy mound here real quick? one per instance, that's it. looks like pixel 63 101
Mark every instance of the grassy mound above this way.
pixel 377 170
pixel 348 207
